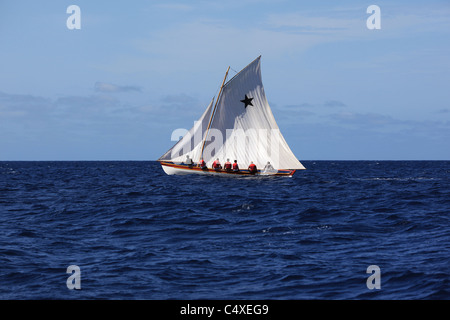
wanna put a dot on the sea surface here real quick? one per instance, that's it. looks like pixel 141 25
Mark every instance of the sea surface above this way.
pixel 136 233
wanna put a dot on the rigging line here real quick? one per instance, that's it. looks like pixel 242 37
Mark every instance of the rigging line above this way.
pixel 220 87
pixel 217 90
pixel 241 71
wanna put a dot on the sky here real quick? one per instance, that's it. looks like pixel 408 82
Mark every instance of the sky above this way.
pixel 135 71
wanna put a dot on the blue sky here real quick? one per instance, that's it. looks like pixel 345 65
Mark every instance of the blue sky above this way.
pixel 137 70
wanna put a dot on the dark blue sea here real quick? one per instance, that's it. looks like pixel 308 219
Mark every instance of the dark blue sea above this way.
pixel 136 233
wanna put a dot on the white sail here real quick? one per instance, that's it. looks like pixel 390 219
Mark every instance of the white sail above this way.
pixel 191 143
pixel 243 126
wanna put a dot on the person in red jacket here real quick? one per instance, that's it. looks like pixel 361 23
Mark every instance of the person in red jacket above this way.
pixel 202 164
pixel 216 165
pixel 227 165
pixel 252 168
pixel 235 166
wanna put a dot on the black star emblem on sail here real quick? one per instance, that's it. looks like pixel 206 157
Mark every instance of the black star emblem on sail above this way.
pixel 247 101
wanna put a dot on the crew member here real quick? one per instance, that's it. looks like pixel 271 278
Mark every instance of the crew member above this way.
pixel 268 167
pixel 227 165
pixel 252 168
pixel 216 165
pixel 189 161
pixel 235 166
pixel 202 164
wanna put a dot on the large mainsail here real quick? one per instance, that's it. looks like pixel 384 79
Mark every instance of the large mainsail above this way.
pixel 244 122
pixel 240 127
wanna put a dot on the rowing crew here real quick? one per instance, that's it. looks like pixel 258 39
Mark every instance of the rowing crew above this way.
pixel 228 166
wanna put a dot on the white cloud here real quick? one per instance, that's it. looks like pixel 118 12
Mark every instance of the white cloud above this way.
pixel 108 87
pixel 23 104
pixel 334 104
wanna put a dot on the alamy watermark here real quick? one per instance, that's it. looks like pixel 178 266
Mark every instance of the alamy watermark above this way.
pixel 374 280
pixel 374 21
pixel 74 20
pixel 74 280
pixel 224 144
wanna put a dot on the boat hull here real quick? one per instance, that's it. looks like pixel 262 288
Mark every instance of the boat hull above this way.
pixel 171 168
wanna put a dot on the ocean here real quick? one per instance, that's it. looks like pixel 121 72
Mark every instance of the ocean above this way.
pixel 340 230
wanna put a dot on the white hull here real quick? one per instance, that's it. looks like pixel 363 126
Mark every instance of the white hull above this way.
pixel 180 169
pixel 171 171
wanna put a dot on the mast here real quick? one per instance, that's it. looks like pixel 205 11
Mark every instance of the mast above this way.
pixel 213 112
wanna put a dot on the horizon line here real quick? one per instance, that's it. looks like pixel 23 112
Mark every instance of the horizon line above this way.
pixel 137 160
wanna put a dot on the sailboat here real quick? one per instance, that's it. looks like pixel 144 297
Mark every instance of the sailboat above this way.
pixel 237 127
